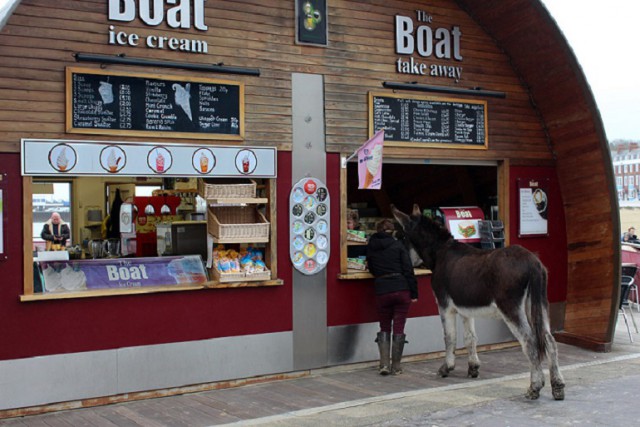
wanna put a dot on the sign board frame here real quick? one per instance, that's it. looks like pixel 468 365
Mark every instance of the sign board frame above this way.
pixel 441 102
pixel 164 78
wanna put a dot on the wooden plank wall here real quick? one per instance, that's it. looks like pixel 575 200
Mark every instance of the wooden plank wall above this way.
pixel 40 38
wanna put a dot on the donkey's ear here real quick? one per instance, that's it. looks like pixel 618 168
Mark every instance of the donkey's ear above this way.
pixel 401 217
pixel 416 210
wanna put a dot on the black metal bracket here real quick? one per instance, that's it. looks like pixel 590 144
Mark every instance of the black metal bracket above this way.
pixel 476 91
pixel 124 60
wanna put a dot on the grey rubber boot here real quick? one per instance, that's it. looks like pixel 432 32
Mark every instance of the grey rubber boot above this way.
pixel 384 346
pixel 396 353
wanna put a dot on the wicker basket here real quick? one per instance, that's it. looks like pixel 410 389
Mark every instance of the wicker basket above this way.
pixel 238 222
pixel 217 188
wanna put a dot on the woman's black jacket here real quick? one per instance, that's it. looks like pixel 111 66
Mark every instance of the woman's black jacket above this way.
pixel 388 260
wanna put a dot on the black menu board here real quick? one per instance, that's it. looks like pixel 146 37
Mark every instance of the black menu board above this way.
pixel 432 120
pixel 140 104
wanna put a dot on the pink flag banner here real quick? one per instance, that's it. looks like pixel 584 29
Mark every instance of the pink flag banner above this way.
pixel 370 162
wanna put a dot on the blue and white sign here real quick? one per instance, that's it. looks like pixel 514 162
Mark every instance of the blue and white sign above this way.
pixel 51 157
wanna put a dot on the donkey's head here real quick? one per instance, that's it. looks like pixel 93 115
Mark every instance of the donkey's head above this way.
pixel 424 234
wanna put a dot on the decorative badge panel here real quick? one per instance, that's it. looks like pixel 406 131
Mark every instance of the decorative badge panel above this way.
pixel 309 225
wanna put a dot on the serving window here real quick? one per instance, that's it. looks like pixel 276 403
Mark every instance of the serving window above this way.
pixel 472 188
pixel 142 234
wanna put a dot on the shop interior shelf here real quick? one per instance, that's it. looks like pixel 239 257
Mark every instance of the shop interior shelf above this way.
pixel 240 240
pixel 237 201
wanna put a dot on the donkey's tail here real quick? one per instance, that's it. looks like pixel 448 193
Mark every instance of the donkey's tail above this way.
pixel 539 307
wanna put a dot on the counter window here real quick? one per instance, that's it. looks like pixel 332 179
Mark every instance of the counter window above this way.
pixel 433 187
pixel 139 235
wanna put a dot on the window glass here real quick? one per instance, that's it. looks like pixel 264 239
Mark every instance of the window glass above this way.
pixel 50 197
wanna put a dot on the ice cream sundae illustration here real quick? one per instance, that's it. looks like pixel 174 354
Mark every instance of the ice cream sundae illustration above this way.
pixel 62 162
pixel 245 163
pixel 159 162
pixel 106 92
pixel 113 161
pixel 204 163
pixel 182 97
pixel 373 165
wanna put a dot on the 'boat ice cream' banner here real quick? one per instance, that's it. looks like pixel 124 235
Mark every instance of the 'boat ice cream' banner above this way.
pixel 78 275
pixel 370 162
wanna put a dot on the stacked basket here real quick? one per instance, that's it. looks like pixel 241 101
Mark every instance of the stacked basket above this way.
pixel 237 222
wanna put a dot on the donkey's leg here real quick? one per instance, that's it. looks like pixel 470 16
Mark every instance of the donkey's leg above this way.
pixel 557 382
pixel 471 342
pixel 519 325
pixel 448 318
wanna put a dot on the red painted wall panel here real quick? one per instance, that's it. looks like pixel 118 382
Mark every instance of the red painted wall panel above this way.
pixel 63 326
pixel 551 249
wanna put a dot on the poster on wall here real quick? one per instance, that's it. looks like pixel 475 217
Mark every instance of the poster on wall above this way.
pixel 311 22
pixel 533 202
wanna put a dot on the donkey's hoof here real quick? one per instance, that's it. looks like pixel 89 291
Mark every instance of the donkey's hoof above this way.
pixel 558 392
pixel 444 371
pixel 532 394
pixel 474 371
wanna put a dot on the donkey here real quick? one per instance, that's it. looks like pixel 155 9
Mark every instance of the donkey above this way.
pixel 508 283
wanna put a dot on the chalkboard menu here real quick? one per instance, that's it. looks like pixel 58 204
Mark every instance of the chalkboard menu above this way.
pixel 142 104
pixel 436 121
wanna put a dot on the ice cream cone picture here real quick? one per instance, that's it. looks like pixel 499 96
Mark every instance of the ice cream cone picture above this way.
pixel 203 160
pixel 370 162
pixel 112 158
pixel 182 98
pixel 373 165
pixel 62 158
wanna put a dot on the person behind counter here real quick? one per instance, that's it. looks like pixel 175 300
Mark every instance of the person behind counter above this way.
pixel 395 287
pixel 55 232
pixel 630 236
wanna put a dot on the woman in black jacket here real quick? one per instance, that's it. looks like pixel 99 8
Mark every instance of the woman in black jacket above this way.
pixel 396 287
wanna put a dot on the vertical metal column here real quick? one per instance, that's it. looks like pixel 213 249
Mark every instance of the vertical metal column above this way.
pixel 309 159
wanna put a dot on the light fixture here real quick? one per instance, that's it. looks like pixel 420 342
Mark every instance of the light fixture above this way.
pixel 476 91
pixel 124 60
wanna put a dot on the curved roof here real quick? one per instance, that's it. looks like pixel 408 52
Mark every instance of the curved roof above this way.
pixel 539 52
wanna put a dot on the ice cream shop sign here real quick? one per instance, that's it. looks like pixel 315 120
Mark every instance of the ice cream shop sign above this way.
pixel 50 157
pixel 176 14
pixel 439 43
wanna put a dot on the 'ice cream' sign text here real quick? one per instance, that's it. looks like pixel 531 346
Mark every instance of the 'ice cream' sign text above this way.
pixel 443 43
pixel 176 13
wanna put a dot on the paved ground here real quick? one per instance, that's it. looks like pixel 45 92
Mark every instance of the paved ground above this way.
pixel 601 390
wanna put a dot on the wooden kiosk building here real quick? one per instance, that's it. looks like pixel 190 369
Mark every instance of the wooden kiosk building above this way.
pixel 483 103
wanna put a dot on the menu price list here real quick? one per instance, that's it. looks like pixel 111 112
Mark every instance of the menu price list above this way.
pixel 106 102
pixel 437 121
